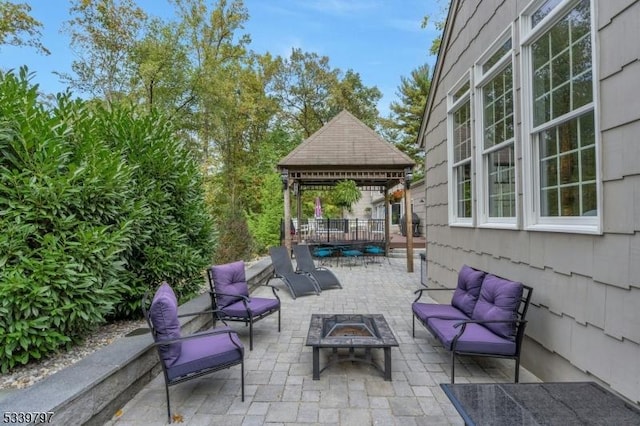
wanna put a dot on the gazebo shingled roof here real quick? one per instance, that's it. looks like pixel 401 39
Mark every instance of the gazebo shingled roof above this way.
pixel 345 148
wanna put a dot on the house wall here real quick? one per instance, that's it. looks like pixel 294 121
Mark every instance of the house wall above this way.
pixel 584 322
pixel 374 199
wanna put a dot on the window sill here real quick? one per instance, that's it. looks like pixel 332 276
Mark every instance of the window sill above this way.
pixel 499 225
pixel 565 229
pixel 461 224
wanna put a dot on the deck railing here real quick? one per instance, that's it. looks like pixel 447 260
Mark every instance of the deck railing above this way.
pixel 329 230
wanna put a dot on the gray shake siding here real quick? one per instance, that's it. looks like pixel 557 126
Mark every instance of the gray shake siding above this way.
pixel 585 318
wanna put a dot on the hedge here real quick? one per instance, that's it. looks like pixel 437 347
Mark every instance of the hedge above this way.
pixel 97 205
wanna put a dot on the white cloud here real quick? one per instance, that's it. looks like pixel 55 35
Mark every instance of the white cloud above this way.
pixel 342 7
pixel 412 25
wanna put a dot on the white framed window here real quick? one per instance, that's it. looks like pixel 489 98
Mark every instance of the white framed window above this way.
pixel 562 186
pixel 460 149
pixel 495 127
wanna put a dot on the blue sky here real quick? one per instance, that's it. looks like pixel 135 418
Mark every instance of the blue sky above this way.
pixel 379 39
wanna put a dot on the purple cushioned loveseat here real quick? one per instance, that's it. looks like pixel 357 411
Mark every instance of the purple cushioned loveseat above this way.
pixel 486 317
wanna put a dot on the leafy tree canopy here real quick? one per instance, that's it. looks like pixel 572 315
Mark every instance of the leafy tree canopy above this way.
pixel 18 28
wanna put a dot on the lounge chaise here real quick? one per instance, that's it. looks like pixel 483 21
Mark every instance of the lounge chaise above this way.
pixel 324 278
pixel 299 284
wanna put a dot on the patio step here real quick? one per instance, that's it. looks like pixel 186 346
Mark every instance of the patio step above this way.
pixel 402 252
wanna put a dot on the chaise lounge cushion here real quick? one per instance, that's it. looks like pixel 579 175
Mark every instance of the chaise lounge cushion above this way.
pixel 230 282
pixel 466 294
pixel 164 317
pixel 498 301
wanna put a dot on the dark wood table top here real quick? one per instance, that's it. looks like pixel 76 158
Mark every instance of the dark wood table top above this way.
pixel 558 403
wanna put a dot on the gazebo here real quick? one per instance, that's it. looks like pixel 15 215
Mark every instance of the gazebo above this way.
pixel 346 149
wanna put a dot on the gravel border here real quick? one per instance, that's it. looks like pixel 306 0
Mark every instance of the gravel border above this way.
pixel 24 376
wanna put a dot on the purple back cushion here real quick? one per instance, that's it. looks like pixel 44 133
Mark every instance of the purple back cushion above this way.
pixel 468 290
pixel 164 317
pixel 499 300
pixel 229 279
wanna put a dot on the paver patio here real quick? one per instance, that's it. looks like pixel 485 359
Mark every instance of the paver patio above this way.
pixel 278 372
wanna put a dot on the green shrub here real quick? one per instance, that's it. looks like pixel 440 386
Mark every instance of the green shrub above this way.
pixel 175 240
pixel 265 225
pixel 66 215
pixel 235 242
pixel 96 207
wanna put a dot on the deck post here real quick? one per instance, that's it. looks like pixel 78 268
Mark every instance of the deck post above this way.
pixel 408 226
pixel 287 210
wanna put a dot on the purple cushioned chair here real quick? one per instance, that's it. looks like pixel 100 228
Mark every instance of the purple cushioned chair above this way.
pixel 230 297
pixel 186 357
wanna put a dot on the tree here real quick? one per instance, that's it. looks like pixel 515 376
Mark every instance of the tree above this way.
pixel 18 28
pixel 346 194
pixel 311 93
pixel 104 34
pixel 349 93
pixel 403 124
pixel 439 24
pixel 161 71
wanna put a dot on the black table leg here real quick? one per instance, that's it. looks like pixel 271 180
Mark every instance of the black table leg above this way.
pixel 316 363
pixel 387 364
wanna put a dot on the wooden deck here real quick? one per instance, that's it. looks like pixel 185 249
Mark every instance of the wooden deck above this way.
pixel 400 241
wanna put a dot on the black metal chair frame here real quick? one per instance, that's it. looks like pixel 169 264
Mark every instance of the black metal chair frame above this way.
pixel 520 324
pixel 171 382
pixel 248 320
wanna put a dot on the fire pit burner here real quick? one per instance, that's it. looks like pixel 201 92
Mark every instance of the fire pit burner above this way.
pixel 345 330
pixel 352 326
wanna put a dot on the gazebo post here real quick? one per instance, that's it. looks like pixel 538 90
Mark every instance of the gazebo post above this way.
pixel 287 209
pixel 408 226
pixel 387 225
pixel 297 190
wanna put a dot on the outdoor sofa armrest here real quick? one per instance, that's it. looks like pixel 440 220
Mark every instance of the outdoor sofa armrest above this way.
pixel 472 321
pixel 442 317
pixel 463 326
pixel 421 290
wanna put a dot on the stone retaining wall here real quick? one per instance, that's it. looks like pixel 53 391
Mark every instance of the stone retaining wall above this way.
pixel 93 389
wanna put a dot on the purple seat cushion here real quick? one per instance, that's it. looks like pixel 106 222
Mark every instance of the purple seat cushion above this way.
pixel 164 317
pixel 207 352
pixel 256 305
pixel 425 311
pixel 466 294
pixel 499 300
pixel 475 339
pixel 229 279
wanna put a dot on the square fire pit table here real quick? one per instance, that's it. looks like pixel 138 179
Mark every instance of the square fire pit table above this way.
pixel 350 331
